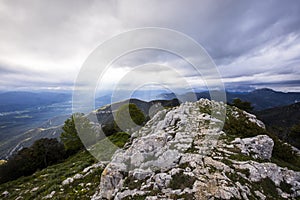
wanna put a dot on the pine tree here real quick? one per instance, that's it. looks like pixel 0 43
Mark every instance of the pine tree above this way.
pixel 69 136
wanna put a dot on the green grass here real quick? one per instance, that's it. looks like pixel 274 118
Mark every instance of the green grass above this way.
pixel 50 179
pixel 285 187
pixel 234 177
pixel 205 109
pixel 240 157
pixel 290 165
pixel 266 186
pixel 269 188
pixel 119 139
pixel 105 148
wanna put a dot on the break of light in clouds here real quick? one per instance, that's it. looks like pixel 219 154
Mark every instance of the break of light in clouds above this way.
pixel 254 43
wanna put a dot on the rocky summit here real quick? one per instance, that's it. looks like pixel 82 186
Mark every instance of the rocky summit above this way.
pixel 183 153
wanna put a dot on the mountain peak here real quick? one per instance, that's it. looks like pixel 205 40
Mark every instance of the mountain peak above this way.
pixel 183 153
pixel 263 90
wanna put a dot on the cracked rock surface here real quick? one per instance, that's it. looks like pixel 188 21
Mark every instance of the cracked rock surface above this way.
pixel 182 153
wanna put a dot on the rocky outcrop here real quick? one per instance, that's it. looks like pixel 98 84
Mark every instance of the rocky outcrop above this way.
pixel 259 147
pixel 182 153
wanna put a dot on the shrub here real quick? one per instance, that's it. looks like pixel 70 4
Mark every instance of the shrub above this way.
pixel 294 134
pixel 182 181
pixel 42 153
pixel 119 139
pixel 243 105
pixel 241 127
pixel 69 136
pixel 129 116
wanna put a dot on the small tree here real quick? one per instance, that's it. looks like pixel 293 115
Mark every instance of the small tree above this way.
pixel 47 152
pixel 243 105
pixel 69 136
pixel 88 133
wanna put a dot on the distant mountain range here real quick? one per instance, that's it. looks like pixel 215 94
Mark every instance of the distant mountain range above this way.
pixel 53 127
pixel 13 101
pixel 260 99
pixel 18 129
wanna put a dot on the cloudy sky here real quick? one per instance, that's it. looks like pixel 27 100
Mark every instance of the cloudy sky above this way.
pixel 254 44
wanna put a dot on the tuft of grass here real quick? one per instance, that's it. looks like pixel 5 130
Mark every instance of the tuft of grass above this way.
pixel 132 183
pixel 285 187
pixel 192 149
pixel 182 181
pixel 234 177
pixel 188 196
pixel 105 148
pixel 240 157
pixel 205 109
pixel 119 139
pixel 269 188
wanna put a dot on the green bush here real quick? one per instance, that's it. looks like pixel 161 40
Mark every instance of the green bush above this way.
pixel 294 134
pixel 129 116
pixel 243 105
pixel 241 127
pixel 105 148
pixel 119 139
pixel 182 181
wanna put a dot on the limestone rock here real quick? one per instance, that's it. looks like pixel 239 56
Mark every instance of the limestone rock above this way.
pixel 50 196
pixel 182 153
pixel 260 146
pixel 5 194
pixel 67 181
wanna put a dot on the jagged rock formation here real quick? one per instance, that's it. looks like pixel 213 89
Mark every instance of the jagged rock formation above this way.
pixel 260 147
pixel 182 153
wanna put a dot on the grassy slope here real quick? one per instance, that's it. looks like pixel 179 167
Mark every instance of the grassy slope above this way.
pixel 51 178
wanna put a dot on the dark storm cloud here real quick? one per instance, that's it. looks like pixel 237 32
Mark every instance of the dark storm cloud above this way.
pixel 252 42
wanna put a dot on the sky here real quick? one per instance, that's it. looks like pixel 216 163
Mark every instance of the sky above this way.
pixel 254 44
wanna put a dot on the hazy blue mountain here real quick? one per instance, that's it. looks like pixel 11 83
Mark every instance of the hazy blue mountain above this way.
pixel 30 116
pixel 13 101
pixel 261 99
pixel 267 98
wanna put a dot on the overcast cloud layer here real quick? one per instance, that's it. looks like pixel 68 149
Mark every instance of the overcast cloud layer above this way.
pixel 255 44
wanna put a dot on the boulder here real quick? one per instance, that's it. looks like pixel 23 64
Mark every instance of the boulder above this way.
pixel 259 147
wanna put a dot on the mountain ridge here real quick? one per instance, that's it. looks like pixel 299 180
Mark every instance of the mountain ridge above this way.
pixel 180 165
